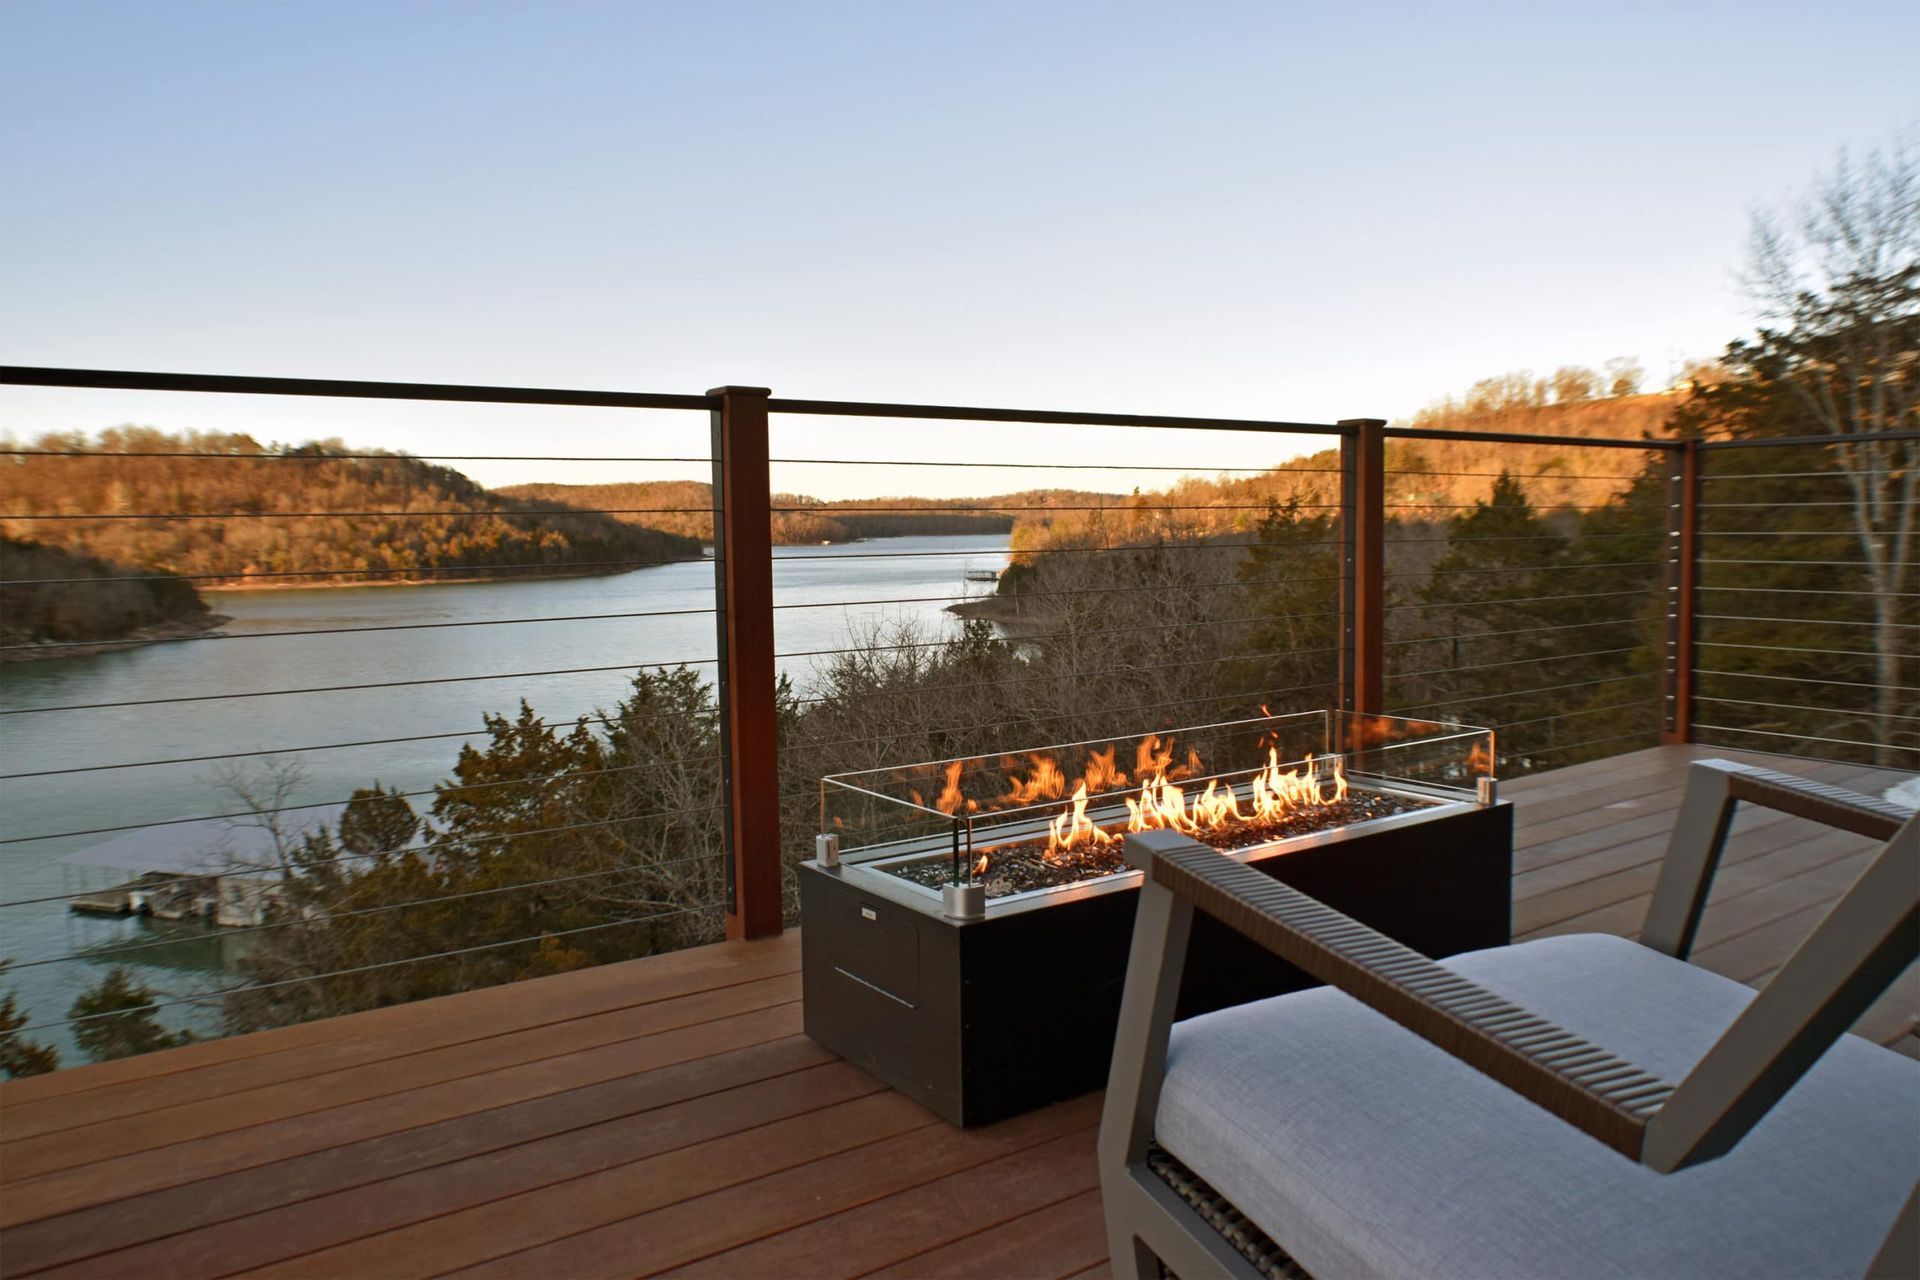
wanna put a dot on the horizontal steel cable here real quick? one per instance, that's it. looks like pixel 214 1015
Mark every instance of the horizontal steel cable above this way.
pixel 430 847
pixel 328 457
pixel 1811 564
pixel 1782 648
pixel 207 817
pixel 1777 533
pixel 1521 631
pixel 1476 506
pixel 1119 506
pixel 1778 506
pixel 370 968
pixel 394 626
pixel 1166 589
pixel 1824 711
pixel 1525 568
pixel 241 755
pixel 116 952
pixel 284 751
pixel 1809 737
pixel 562 671
pixel 1849 684
pixel 1522 693
pixel 1462 604
pixel 1805 622
pixel 1512 662
pixel 1816 591
pixel 351 688
pixel 1521 537
pixel 1516 475
pixel 1043 466
pixel 1590 742
pixel 1801 475
pixel 1038 677
pixel 1058 635
pixel 1065 715
pixel 562 570
pixel 1584 711
pixel 364 515
pixel 1045 551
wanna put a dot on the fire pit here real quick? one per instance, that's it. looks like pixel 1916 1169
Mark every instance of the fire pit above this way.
pixel 965 922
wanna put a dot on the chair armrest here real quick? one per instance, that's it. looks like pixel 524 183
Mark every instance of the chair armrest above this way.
pixel 1714 789
pixel 1604 1096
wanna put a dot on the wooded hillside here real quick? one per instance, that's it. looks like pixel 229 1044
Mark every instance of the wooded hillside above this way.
pixel 684 506
pixel 1426 479
pixel 226 510
pixel 47 594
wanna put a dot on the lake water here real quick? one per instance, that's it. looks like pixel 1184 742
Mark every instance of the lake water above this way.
pixel 822 596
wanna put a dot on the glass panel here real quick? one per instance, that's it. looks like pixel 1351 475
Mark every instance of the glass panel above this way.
pixel 1055 816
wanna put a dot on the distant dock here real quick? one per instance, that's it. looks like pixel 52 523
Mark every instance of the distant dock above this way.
pixel 158 894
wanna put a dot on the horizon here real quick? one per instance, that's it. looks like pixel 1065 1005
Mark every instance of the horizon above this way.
pixel 1256 213
pixel 943 480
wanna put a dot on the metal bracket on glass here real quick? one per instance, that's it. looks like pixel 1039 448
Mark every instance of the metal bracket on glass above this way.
pixel 963 901
pixel 826 850
pixel 1486 790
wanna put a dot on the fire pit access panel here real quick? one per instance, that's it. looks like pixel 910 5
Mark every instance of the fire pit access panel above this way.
pixel 966 923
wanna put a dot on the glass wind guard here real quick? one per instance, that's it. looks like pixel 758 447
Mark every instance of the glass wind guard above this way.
pixel 1054 816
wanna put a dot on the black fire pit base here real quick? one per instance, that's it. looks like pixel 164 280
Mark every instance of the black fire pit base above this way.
pixel 984 1019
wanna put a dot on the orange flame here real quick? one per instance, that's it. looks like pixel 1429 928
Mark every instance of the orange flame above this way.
pixel 949 801
pixel 1045 783
pixel 1160 803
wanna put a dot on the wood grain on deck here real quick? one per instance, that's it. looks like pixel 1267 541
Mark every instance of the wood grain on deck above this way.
pixel 666 1114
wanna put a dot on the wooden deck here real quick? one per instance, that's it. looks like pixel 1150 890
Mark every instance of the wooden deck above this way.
pixel 666 1115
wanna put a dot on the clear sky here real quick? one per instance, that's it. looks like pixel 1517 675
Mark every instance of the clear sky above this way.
pixel 1258 209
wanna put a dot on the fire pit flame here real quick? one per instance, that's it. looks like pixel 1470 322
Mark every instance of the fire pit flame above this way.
pixel 1160 803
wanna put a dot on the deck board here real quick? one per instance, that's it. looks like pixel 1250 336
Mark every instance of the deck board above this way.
pixel 665 1114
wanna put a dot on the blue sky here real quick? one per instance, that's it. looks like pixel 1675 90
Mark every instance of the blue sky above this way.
pixel 1308 212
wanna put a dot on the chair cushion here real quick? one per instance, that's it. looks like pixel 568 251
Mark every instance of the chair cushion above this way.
pixel 1364 1150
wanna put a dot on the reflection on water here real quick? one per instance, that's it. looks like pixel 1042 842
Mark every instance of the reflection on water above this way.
pixel 403 735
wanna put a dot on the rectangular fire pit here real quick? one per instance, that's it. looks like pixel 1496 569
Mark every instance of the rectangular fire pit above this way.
pixel 966 922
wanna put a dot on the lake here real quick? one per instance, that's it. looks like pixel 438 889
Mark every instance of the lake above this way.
pixel 822 596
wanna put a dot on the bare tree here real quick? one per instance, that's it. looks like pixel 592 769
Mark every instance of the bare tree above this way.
pixel 1836 274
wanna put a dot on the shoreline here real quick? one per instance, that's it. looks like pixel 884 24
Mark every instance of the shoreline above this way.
pixel 158 633
pixel 210 589
pixel 1006 612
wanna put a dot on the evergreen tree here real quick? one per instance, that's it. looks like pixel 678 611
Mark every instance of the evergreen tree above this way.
pixel 115 1018
pixel 20 1056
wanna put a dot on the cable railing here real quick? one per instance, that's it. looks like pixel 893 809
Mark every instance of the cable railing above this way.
pixel 1807 599
pixel 1103 614
pixel 1553 567
pixel 259 850
pixel 608 743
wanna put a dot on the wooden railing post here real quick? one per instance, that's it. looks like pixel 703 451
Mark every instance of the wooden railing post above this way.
pixel 743 610
pixel 1683 592
pixel 1363 596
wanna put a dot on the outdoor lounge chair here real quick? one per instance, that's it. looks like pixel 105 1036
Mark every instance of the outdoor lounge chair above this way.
pixel 1572 1106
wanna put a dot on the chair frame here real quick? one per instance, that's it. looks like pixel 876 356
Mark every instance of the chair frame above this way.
pixel 1863 944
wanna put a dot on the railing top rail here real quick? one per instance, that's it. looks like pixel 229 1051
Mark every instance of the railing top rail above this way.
pixel 1058 417
pixel 123 380
pixel 1522 437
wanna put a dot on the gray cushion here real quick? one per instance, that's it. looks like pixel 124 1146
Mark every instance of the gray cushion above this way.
pixel 1364 1150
